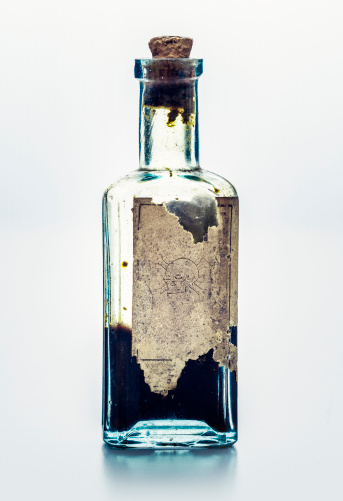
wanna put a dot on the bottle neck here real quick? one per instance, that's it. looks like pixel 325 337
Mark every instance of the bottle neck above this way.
pixel 168 125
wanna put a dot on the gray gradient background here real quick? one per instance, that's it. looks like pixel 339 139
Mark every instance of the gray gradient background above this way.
pixel 271 112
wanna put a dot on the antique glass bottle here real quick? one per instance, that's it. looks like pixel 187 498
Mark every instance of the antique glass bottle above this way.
pixel 170 279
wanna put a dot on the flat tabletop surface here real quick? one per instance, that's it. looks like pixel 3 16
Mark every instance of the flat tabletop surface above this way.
pixel 290 374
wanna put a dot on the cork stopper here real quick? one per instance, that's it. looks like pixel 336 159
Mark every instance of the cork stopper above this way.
pixel 170 47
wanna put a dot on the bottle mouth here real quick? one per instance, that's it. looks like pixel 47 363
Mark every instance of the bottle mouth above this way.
pixel 168 69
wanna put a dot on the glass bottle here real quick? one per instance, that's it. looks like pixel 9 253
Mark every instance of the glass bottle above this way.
pixel 170 279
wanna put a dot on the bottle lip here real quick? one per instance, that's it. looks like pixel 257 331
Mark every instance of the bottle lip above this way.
pixel 167 69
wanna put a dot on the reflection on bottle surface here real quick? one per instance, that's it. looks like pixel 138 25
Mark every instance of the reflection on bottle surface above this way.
pixel 215 464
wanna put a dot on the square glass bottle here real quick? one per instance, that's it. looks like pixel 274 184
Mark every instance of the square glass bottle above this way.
pixel 170 279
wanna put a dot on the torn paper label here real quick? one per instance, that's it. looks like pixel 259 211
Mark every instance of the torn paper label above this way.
pixel 184 289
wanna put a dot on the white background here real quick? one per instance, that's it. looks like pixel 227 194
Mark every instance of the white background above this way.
pixel 271 112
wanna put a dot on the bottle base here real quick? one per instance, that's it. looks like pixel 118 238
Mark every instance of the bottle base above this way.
pixel 169 433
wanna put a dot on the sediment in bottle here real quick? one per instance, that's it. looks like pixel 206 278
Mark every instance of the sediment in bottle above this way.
pixel 198 395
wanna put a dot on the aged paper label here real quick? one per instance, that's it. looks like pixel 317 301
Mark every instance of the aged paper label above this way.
pixel 184 293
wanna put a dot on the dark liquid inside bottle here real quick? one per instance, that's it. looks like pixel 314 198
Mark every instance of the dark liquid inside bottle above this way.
pixel 201 391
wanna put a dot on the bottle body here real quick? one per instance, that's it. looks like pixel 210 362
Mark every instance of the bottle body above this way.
pixel 170 296
pixel 170 279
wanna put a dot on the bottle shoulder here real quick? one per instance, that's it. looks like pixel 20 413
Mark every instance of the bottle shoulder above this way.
pixel 170 183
